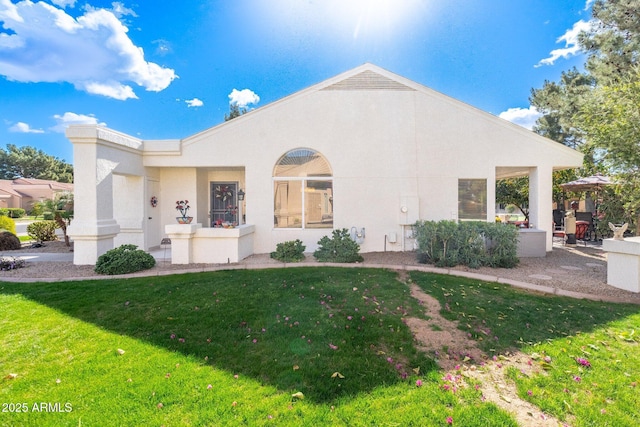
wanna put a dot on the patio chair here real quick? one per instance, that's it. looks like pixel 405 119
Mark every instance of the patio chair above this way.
pixel 588 218
pixel 582 231
pixel 558 219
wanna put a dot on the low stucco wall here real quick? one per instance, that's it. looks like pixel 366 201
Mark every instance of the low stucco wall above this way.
pixel 191 243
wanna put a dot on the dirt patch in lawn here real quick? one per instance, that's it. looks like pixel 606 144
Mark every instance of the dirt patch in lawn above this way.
pixel 459 356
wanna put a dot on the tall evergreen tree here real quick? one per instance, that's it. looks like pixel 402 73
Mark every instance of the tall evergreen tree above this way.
pixel 29 162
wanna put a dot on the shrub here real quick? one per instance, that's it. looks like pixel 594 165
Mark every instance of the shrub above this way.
pixel 8 224
pixel 339 248
pixel 42 231
pixel 47 216
pixel 4 212
pixel 16 212
pixel 10 263
pixel 124 259
pixel 9 241
pixel 476 244
pixel 291 251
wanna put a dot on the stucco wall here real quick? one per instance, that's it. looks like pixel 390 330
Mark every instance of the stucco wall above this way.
pixel 387 149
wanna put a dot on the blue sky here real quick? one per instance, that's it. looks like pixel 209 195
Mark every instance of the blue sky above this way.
pixel 166 69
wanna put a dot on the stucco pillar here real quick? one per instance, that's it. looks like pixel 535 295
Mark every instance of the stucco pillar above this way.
pixel 181 236
pixel 540 198
pixel 93 227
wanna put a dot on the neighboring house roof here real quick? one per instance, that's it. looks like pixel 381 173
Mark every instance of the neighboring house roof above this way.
pixel 6 189
pixel 42 183
pixel 31 188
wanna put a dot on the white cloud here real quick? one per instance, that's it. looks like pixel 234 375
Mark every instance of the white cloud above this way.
pixel 195 102
pixel 525 117
pixel 588 5
pixel 120 10
pixel 64 3
pixel 570 38
pixel 243 97
pixel 22 127
pixel 93 52
pixel 69 118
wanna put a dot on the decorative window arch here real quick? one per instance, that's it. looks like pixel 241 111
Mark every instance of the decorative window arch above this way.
pixel 303 190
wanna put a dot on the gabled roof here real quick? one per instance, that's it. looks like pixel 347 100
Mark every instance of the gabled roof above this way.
pixel 34 182
pixel 6 187
pixel 369 77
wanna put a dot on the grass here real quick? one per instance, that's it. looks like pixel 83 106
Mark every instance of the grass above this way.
pixel 561 336
pixel 229 348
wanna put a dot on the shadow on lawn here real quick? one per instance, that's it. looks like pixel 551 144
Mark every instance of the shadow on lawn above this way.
pixel 303 329
pixel 327 332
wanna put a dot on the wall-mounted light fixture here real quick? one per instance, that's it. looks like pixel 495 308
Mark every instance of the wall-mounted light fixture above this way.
pixel 240 195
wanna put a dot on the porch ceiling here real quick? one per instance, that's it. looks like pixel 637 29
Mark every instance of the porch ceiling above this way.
pixel 512 171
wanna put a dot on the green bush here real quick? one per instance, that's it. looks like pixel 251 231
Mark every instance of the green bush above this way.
pixel 48 216
pixel 476 244
pixel 9 241
pixel 339 248
pixel 290 251
pixel 4 212
pixel 124 259
pixel 43 231
pixel 16 212
pixel 8 224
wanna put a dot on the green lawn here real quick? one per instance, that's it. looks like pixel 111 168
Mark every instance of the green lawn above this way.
pixel 229 348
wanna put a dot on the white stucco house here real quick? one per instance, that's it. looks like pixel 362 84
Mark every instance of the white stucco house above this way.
pixel 367 150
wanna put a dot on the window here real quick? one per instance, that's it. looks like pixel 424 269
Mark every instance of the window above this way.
pixel 303 191
pixel 472 199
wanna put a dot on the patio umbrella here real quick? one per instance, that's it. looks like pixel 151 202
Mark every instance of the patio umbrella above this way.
pixel 589 183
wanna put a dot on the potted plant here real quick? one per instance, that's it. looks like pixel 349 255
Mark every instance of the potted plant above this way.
pixel 230 217
pixel 183 207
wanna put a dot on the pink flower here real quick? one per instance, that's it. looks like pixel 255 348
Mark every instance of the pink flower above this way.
pixel 181 339
pixel 209 387
pixel 173 336
pixel 583 362
pixel 418 383
pixel 449 420
pixel 529 392
pixel 255 340
pixel 577 379
pixel 390 360
pixel 333 347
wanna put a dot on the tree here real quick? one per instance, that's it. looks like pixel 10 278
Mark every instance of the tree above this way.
pixel 613 43
pixel 559 103
pixel 234 111
pixel 514 191
pixel 28 162
pixel 611 120
pixel 597 111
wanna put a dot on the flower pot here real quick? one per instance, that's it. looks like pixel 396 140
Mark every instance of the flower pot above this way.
pixel 184 219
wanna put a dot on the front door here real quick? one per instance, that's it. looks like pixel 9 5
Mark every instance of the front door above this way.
pixel 224 202
pixel 153 231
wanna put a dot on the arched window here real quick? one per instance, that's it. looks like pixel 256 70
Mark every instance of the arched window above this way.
pixel 303 190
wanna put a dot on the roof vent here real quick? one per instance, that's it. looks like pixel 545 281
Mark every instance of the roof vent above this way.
pixel 368 80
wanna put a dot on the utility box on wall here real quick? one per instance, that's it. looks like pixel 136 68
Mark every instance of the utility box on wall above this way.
pixel 409 210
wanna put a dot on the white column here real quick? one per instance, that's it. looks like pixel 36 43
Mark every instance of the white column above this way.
pixel 181 236
pixel 540 201
pixel 93 227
